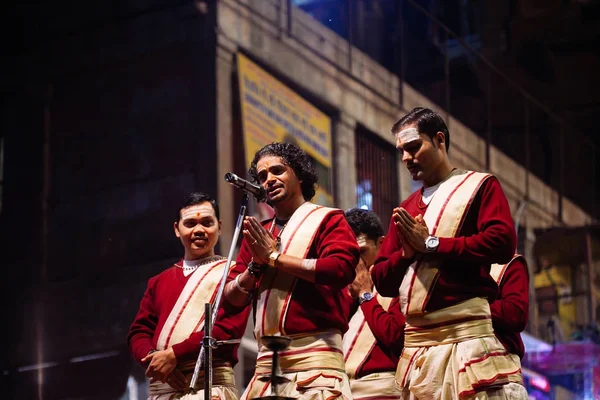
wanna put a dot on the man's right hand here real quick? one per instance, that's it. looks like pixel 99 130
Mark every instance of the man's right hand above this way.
pixel 161 368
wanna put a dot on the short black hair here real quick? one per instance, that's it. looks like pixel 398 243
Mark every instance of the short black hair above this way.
pixel 198 198
pixel 365 221
pixel 427 121
pixel 295 158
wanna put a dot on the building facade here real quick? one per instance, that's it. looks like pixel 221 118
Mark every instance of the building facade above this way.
pixel 124 110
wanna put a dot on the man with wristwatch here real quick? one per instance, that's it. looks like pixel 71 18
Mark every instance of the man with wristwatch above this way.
pixel 295 267
pixel 376 329
pixel 437 255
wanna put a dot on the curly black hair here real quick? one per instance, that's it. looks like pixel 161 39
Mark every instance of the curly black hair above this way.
pixel 295 158
pixel 365 221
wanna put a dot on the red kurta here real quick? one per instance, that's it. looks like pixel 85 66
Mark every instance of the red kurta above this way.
pixel 486 236
pixel 510 311
pixel 388 329
pixel 318 306
pixel 158 301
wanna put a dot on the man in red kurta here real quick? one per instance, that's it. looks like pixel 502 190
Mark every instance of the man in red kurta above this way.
pixel 438 251
pixel 510 311
pixel 296 266
pixel 166 334
pixel 375 336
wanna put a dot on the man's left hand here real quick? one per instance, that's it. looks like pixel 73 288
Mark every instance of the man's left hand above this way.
pixel 413 230
pixel 362 283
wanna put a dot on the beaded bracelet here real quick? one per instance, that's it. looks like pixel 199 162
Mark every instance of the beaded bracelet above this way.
pixel 256 270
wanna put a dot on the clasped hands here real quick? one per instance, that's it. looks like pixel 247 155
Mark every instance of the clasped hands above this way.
pixel 412 232
pixel 260 241
pixel 161 368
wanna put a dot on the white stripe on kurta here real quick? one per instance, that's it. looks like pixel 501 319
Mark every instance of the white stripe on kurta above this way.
pixel 187 316
pixel 276 286
pixel 444 217
pixel 359 339
pixel 498 270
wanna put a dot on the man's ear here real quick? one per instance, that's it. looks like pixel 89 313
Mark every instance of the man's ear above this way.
pixel 176 228
pixel 441 139
pixel 379 241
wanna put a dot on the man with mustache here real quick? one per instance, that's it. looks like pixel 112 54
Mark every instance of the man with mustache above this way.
pixel 437 255
pixel 296 267
pixel 166 334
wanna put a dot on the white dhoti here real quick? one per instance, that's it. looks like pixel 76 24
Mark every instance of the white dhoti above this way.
pixel 376 386
pixel 453 354
pixel 223 386
pixel 313 366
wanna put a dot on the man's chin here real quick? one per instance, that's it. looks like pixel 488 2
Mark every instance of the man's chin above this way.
pixel 416 176
pixel 273 201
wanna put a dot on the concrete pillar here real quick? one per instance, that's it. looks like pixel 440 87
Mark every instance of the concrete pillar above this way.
pixel 226 51
pixel 345 161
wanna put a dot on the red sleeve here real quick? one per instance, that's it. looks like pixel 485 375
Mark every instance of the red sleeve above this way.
pixel 511 311
pixel 227 326
pixel 496 239
pixel 389 268
pixel 141 332
pixel 387 326
pixel 337 252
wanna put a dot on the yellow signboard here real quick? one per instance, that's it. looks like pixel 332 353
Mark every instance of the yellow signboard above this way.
pixel 271 112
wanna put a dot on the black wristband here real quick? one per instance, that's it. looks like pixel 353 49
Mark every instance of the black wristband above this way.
pixel 256 270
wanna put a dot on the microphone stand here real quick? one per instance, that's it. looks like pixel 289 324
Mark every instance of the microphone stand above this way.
pixel 209 343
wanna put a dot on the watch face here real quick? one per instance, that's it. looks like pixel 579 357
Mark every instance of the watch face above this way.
pixel 366 297
pixel 432 243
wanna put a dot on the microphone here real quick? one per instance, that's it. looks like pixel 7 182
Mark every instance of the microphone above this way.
pixel 257 191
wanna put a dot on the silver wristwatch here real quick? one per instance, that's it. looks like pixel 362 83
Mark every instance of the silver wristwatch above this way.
pixel 431 244
pixel 366 296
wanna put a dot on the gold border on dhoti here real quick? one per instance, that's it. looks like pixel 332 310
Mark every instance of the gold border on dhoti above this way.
pixel 315 350
pixel 444 218
pixel 359 339
pixel 222 375
pixel 375 386
pixel 436 335
pixel 187 316
pixel 276 286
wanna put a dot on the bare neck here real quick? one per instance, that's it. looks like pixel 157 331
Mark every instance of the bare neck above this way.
pixel 190 257
pixel 285 210
pixel 440 174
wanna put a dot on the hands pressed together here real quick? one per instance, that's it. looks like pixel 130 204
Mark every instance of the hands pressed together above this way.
pixel 261 241
pixel 412 232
